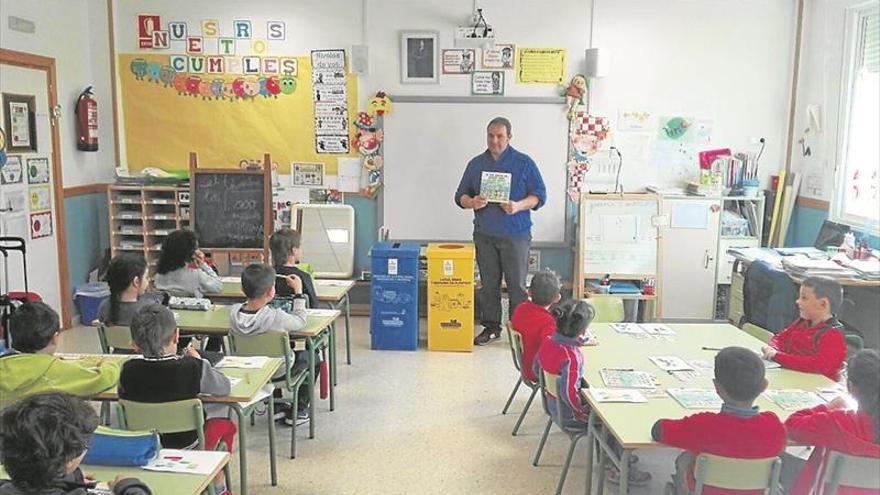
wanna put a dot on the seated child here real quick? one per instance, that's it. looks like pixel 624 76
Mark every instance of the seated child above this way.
pixel 560 354
pixel 814 343
pixel 43 439
pixel 833 427
pixel 739 430
pixel 31 368
pixel 127 278
pixel 286 254
pixel 162 376
pixel 182 269
pixel 533 320
pixel 255 316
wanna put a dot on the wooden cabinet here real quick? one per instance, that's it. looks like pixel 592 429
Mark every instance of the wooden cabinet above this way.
pixel 141 217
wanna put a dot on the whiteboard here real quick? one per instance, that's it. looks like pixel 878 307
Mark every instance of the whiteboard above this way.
pixel 427 147
pixel 619 236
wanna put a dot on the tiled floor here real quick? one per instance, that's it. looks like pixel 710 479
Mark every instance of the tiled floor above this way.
pixel 418 423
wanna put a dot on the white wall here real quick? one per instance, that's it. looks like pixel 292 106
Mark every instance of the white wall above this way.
pixel 74 33
pixel 729 62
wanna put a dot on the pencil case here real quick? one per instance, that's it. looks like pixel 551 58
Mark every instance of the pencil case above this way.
pixel 112 447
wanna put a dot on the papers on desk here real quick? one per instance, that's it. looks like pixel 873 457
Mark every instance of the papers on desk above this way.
pixel 793 399
pixel 247 362
pixel 828 394
pixel 233 381
pixel 868 269
pixel 68 356
pixel 670 363
pixel 228 280
pixel 626 378
pixel 321 312
pixel 809 252
pixel 750 254
pixel 186 461
pixel 333 283
pixel 641 331
pixel 616 395
pixel 803 266
pixel 695 398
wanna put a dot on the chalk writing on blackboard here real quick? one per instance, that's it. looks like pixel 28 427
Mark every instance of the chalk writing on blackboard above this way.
pixel 229 210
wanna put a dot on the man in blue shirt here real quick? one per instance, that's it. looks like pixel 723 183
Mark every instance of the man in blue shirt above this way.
pixel 502 230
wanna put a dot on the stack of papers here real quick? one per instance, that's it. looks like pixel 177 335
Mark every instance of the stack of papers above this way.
pixel 193 303
pixel 245 362
pixel 809 252
pixel 803 266
pixel 868 269
pixel 616 395
pixel 695 398
pixel 756 254
pixel 656 331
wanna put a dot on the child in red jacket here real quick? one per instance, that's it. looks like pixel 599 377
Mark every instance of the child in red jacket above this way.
pixel 833 427
pixel 814 343
pixel 532 318
pixel 739 430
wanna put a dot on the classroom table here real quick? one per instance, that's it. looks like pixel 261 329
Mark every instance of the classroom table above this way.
pixel 630 423
pixel 216 322
pixel 239 398
pixel 333 292
pixel 159 481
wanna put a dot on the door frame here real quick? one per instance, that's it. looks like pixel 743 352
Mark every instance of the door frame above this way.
pixel 47 64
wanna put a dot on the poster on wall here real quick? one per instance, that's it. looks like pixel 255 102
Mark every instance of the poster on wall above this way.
pixel 330 95
pixel 498 57
pixel 38 170
pixel 540 65
pixel 487 83
pixel 41 224
pixel 40 198
pixel 11 173
pixel 459 61
pixel 307 174
pixel 19 123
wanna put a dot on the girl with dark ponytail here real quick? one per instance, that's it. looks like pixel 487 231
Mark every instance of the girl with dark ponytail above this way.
pixel 127 278
pixel 836 426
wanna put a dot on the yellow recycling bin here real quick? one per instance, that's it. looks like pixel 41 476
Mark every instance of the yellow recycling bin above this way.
pixel 450 297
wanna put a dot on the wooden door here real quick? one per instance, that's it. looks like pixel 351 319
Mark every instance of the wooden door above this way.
pixel 33 207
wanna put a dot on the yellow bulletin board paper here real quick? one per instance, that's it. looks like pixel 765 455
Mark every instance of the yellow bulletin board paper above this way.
pixel 540 65
pixel 162 127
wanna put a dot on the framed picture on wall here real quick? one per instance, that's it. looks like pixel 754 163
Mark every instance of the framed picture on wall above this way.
pixel 419 57
pixel 19 123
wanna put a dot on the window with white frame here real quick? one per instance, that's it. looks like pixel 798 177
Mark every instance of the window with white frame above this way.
pixel 856 199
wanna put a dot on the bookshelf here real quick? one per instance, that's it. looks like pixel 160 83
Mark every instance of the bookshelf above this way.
pixel 142 216
pixel 747 233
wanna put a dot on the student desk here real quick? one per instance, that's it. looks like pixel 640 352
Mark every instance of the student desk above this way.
pixel 333 292
pixel 158 481
pixel 239 398
pixel 216 322
pixel 629 423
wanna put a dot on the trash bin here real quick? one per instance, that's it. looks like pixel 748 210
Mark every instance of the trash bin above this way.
pixel 450 297
pixel 394 296
pixel 89 298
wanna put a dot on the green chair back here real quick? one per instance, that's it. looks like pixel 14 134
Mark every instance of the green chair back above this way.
pixel 850 471
pixel 854 343
pixel 164 417
pixel 308 268
pixel 516 364
pixel 608 309
pixel 272 344
pixel 114 337
pixel 517 344
pixel 737 474
pixel 757 332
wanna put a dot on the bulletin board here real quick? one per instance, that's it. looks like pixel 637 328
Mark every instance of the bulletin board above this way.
pixel 618 235
pixel 162 125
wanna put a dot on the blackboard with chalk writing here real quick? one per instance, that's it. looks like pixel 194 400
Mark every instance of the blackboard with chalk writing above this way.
pixel 229 209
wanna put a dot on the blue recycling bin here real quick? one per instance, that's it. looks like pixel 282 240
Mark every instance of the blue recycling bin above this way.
pixel 394 296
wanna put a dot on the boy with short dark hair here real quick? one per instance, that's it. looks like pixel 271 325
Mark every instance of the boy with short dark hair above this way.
pixel 285 245
pixel 162 376
pixel 255 316
pixel 31 367
pixel 813 343
pixel 533 320
pixel 738 431
pixel 43 439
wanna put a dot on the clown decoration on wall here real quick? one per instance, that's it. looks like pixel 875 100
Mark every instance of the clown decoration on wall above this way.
pixel 368 140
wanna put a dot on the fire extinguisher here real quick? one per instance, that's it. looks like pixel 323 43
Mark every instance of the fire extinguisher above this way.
pixel 86 121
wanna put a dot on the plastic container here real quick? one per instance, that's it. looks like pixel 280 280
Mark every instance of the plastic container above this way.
pixel 450 297
pixel 394 296
pixel 750 187
pixel 89 298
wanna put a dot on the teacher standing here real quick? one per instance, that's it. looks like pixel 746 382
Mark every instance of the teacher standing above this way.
pixel 502 231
